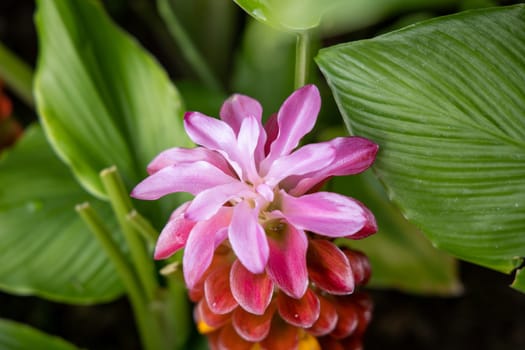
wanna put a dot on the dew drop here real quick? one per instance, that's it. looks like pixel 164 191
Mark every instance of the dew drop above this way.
pixel 295 315
pixel 259 13
pixel 34 206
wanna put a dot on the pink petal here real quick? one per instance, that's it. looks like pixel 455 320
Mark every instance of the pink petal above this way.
pixel 217 291
pixel 175 234
pixel 215 135
pixel 248 238
pixel 352 156
pixel 306 159
pixel 325 213
pixel 253 292
pixel 253 328
pixel 178 155
pixel 201 245
pixel 186 177
pixel 250 148
pixel 295 118
pixel 301 312
pixel 272 130
pixel 206 203
pixel 369 228
pixel 329 267
pixel 287 261
pixel 238 107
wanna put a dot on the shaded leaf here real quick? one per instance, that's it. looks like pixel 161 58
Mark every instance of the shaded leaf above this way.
pixel 401 257
pixel 17 336
pixel 46 249
pixel 444 99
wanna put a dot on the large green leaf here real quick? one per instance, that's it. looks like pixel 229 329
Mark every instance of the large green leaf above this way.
pixel 445 100
pixel 332 16
pixel 46 248
pixel 401 257
pixel 17 336
pixel 102 99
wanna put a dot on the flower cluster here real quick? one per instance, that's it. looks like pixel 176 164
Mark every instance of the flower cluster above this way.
pixel 326 317
pixel 256 198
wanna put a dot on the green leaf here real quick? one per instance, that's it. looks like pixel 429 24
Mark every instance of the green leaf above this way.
pixel 291 15
pixel 17 336
pixel 332 16
pixel 401 257
pixel 46 249
pixel 102 99
pixel 444 99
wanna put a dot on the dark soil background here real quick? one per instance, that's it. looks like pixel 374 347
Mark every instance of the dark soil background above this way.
pixel 487 316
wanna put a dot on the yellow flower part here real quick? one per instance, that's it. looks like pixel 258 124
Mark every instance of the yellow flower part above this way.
pixel 308 342
pixel 204 328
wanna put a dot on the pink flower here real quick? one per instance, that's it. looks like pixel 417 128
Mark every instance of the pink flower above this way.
pixel 253 188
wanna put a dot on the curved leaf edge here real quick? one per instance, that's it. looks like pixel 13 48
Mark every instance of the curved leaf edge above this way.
pixel 519 280
pixel 12 329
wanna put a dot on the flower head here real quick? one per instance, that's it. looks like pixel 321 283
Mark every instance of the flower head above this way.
pixel 254 189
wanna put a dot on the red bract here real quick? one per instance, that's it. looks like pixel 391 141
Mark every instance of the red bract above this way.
pixel 318 320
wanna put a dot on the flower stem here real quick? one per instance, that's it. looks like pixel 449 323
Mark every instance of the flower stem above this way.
pixel 17 74
pixel 150 334
pixel 302 59
pixel 190 52
pixel 143 226
pixel 121 204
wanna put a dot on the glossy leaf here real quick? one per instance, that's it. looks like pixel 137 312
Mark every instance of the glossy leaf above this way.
pixel 102 99
pixel 16 336
pixel 46 249
pixel 444 99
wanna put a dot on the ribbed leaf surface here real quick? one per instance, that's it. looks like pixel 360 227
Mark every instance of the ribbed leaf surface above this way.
pixel 445 100
pixel 46 250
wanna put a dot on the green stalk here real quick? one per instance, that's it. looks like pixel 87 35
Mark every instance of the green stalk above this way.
pixel 146 323
pixel 179 313
pixel 189 51
pixel 17 74
pixel 121 203
pixel 143 226
pixel 302 59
